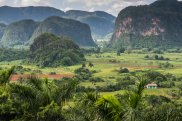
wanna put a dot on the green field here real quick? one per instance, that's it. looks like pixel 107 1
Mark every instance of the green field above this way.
pixel 107 69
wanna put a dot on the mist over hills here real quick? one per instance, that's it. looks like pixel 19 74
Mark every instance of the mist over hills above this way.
pixel 22 33
pixel 93 19
pixel 156 25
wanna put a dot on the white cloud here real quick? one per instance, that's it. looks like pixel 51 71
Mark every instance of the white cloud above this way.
pixel 111 6
pixel 118 5
pixel 91 9
pixel 91 3
pixel 2 2
pixel 32 2
pixel 68 8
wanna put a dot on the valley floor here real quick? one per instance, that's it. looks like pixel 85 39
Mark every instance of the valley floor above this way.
pixel 106 66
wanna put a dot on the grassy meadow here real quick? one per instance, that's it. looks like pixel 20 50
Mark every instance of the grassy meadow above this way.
pixel 107 64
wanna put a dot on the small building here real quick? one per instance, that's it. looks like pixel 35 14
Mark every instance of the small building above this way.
pixel 151 86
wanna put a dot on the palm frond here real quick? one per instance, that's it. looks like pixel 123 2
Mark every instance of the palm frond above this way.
pixel 110 107
pixel 6 75
pixel 65 91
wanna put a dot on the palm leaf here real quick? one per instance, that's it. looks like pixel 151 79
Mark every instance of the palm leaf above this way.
pixel 110 108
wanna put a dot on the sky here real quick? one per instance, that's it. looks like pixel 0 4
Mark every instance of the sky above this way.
pixel 110 6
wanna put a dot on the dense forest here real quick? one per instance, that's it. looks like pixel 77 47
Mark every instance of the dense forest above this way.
pixel 50 50
pixel 44 100
pixel 9 54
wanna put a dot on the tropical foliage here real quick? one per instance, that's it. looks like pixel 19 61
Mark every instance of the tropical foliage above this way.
pixel 34 99
pixel 49 50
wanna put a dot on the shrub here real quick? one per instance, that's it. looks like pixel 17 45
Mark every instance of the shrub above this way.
pixel 83 73
pixel 66 61
pixel 52 73
pixel 91 64
pixel 96 79
pixel 166 65
pixel 123 70
pixel 147 56
pixel 155 76
pixel 156 100
pixel 167 84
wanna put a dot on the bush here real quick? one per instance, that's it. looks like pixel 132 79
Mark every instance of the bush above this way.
pixel 126 81
pixel 167 84
pixel 96 79
pixel 158 51
pixel 83 73
pixel 155 76
pixel 147 56
pixel 156 100
pixel 91 64
pixel 37 72
pixel 123 70
pixel 66 61
pixel 166 65
pixel 52 73
pixel 8 54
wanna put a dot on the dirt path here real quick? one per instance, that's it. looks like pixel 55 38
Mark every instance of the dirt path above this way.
pixel 15 77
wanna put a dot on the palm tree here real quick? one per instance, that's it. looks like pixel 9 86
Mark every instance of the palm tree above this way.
pixel 6 110
pixel 110 108
pixel 35 96
pixel 5 76
pixel 85 108
pixel 134 98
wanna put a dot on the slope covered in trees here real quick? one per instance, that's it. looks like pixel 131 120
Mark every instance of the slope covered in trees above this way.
pixel 18 33
pixel 49 50
pixel 80 33
pixel 22 33
pixel 13 14
pixel 156 25
pixel 101 23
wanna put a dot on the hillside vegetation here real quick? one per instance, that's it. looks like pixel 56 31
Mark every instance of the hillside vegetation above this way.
pixel 22 33
pixel 49 50
pixel 155 25
pixel 10 15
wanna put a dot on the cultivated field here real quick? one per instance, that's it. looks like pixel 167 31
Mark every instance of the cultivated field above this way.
pixel 106 66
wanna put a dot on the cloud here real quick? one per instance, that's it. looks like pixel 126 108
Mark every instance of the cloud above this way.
pixel 32 2
pixel 91 3
pixel 2 2
pixel 118 5
pixel 68 8
pixel 111 6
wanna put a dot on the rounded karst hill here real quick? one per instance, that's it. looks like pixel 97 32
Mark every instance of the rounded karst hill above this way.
pixel 49 50
pixel 79 32
pixel 156 25
pixel 18 33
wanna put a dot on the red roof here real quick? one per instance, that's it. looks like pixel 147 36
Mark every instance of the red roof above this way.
pixel 152 85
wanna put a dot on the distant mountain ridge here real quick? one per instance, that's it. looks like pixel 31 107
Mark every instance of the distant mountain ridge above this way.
pixel 101 23
pixel 93 19
pixel 23 33
pixel 12 14
pixel 156 25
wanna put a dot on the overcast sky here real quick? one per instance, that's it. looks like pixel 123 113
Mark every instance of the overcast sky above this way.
pixel 110 6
